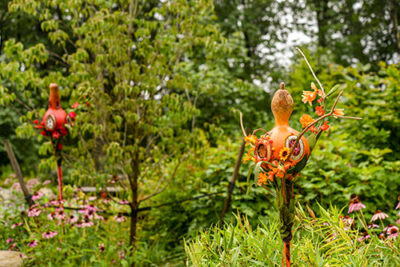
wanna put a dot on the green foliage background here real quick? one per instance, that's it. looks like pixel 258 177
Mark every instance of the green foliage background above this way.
pixel 160 85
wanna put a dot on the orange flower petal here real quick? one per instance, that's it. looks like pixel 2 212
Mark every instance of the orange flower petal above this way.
pixel 338 112
pixel 309 97
pixel 305 120
pixel 319 111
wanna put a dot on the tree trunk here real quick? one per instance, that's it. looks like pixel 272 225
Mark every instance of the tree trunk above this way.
pixel 18 173
pixel 321 8
pixel 134 204
pixel 395 23
pixel 232 182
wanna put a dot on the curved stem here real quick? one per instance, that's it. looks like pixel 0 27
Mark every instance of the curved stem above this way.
pixel 309 66
pixel 241 124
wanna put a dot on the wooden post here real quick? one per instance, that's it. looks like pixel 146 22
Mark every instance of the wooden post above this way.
pixel 18 173
pixel 231 185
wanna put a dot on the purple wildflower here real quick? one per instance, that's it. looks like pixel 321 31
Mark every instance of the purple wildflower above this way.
pixel 119 218
pixel 372 225
pixel 13 245
pixel 46 182
pixel 355 204
pixel 390 228
pixel 37 195
pixel 34 211
pixel 15 225
pixel 379 215
pixel 33 243
pixel 49 234
pixel 73 219
pixel 365 236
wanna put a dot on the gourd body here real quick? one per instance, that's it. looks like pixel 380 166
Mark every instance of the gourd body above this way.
pixel 282 135
pixel 55 117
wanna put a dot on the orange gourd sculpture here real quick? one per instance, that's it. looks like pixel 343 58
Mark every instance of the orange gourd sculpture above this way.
pixel 281 153
pixel 277 143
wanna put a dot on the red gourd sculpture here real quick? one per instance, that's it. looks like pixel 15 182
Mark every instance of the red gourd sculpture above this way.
pixel 54 121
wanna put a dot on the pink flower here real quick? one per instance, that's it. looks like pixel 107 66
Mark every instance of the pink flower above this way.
pixel 16 187
pixel 121 254
pixel 398 206
pixel 91 207
pixel 12 246
pixel 55 202
pixel 390 228
pixel 382 236
pixel 123 202
pixel 393 235
pixel 119 218
pixel 73 219
pixel 398 221
pixel 34 211
pixel 93 198
pixel 356 207
pixel 15 225
pixel 37 195
pixel 10 240
pixel 51 215
pixel 75 105
pixel 49 234
pixel 392 232
pixel 46 182
pixel 113 180
pixel 365 236
pixel 347 222
pixel 106 200
pixel 355 204
pixel 86 222
pixel 371 225
pixel 59 214
pixel 72 115
pixel 32 183
pixel 33 243
pixel 379 215
pixel 88 210
pixel 98 217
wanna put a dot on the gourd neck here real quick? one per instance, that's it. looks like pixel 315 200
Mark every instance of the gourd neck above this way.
pixel 54 98
pixel 282 106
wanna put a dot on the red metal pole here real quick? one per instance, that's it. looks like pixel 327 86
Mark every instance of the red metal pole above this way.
pixel 60 178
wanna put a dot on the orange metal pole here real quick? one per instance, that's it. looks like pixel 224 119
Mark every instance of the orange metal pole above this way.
pixel 286 254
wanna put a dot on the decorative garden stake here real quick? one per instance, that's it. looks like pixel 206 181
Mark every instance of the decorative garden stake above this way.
pixel 281 153
pixel 54 122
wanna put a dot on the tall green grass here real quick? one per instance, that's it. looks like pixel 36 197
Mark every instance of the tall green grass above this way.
pixel 317 242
